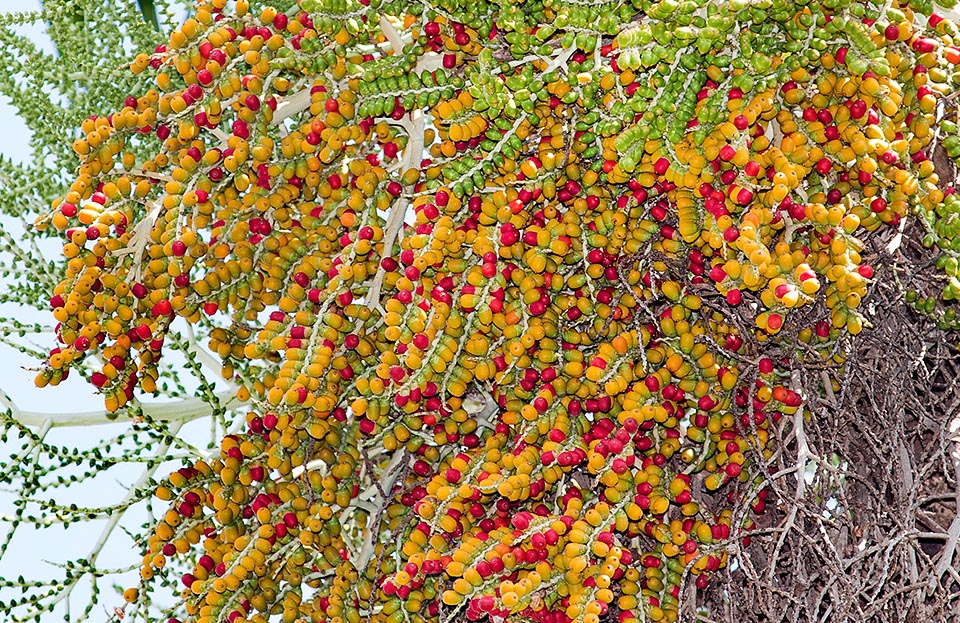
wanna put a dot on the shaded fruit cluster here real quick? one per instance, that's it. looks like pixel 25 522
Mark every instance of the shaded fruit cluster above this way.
pixel 514 290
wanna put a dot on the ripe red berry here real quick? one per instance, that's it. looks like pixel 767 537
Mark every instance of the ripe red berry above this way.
pixel 162 308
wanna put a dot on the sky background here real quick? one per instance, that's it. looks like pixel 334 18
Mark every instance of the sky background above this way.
pixel 15 145
pixel 31 551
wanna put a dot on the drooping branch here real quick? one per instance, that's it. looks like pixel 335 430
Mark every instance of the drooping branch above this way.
pixel 412 155
pixel 181 411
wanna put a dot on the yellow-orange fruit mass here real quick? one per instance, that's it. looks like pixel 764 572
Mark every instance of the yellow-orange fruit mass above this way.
pixel 513 291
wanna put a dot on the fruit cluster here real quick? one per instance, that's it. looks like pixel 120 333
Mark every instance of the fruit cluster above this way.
pixel 514 290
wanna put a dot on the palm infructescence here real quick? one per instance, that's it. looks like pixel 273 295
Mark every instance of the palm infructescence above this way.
pixel 533 311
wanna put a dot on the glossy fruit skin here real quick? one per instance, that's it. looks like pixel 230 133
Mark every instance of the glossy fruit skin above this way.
pixel 549 361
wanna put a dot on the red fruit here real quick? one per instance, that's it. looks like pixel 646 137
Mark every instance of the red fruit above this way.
pixel 924 45
pixel 421 468
pixel 270 421
pixel 390 150
pixel 858 109
pixel 162 308
pixel 652 383
pixel 891 32
pixel 774 322
pixel 823 329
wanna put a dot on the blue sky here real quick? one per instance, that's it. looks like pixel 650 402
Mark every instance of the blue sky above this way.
pixel 30 549
pixel 15 133
pixel 16 381
pixel 31 552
